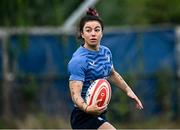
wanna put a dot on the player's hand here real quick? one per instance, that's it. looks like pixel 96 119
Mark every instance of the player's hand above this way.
pixel 94 109
pixel 136 99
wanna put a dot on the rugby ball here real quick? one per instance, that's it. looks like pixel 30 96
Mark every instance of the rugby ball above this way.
pixel 99 89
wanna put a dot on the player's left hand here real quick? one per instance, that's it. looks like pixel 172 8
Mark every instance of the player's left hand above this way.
pixel 136 99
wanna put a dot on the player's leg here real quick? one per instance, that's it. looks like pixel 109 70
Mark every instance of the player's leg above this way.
pixel 106 125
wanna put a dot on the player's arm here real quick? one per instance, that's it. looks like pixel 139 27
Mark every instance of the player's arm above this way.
pixel 116 79
pixel 75 89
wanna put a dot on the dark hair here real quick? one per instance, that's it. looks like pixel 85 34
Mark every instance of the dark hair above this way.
pixel 91 15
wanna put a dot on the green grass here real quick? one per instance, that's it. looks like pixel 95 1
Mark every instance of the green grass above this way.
pixel 39 121
pixel 154 123
pixel 42 121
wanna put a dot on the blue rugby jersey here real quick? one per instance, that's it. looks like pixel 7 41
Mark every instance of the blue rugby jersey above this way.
pixel 87 66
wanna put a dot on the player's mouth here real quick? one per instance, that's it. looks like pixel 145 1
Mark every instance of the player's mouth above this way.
pixel 93 39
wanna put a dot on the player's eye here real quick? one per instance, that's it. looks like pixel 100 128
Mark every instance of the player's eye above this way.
pixel 97 30
pixel 88 30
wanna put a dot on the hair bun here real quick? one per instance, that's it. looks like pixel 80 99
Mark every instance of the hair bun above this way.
pixel 92 12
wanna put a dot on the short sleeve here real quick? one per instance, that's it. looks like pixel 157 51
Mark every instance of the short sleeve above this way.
pixel 76 69
pixel 110 58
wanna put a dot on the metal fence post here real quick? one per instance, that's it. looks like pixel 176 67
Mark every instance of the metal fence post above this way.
pixel 177 33
pixel 5 77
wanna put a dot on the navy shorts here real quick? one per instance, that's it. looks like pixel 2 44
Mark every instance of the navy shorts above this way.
pixel 82 120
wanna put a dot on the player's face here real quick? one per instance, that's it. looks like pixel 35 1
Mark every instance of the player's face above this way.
pixel 92 34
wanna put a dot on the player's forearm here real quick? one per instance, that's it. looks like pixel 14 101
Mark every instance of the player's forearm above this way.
pixel 75 89
pixel 116 79
pixel 79 101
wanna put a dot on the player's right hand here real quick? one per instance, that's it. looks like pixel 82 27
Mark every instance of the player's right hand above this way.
pixel 95 110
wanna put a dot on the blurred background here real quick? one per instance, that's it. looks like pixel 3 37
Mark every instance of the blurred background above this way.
pixel 38 38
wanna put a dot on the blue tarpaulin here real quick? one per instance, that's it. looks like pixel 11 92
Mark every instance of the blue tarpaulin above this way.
pixel 134 53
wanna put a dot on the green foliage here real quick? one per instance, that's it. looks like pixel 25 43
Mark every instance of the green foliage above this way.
pixel 120 107
pixel 1 124
pixel 165 86
pixel 30 89
pixel 114 12
pixel 163 11
pixel 118 110
pixel 35 12
pixel 140 12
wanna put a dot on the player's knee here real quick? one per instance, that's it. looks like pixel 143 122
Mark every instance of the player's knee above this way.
pixel 106 125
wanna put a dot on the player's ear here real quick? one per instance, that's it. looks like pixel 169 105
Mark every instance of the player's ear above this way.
pixel 101 35
pixel 82 35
